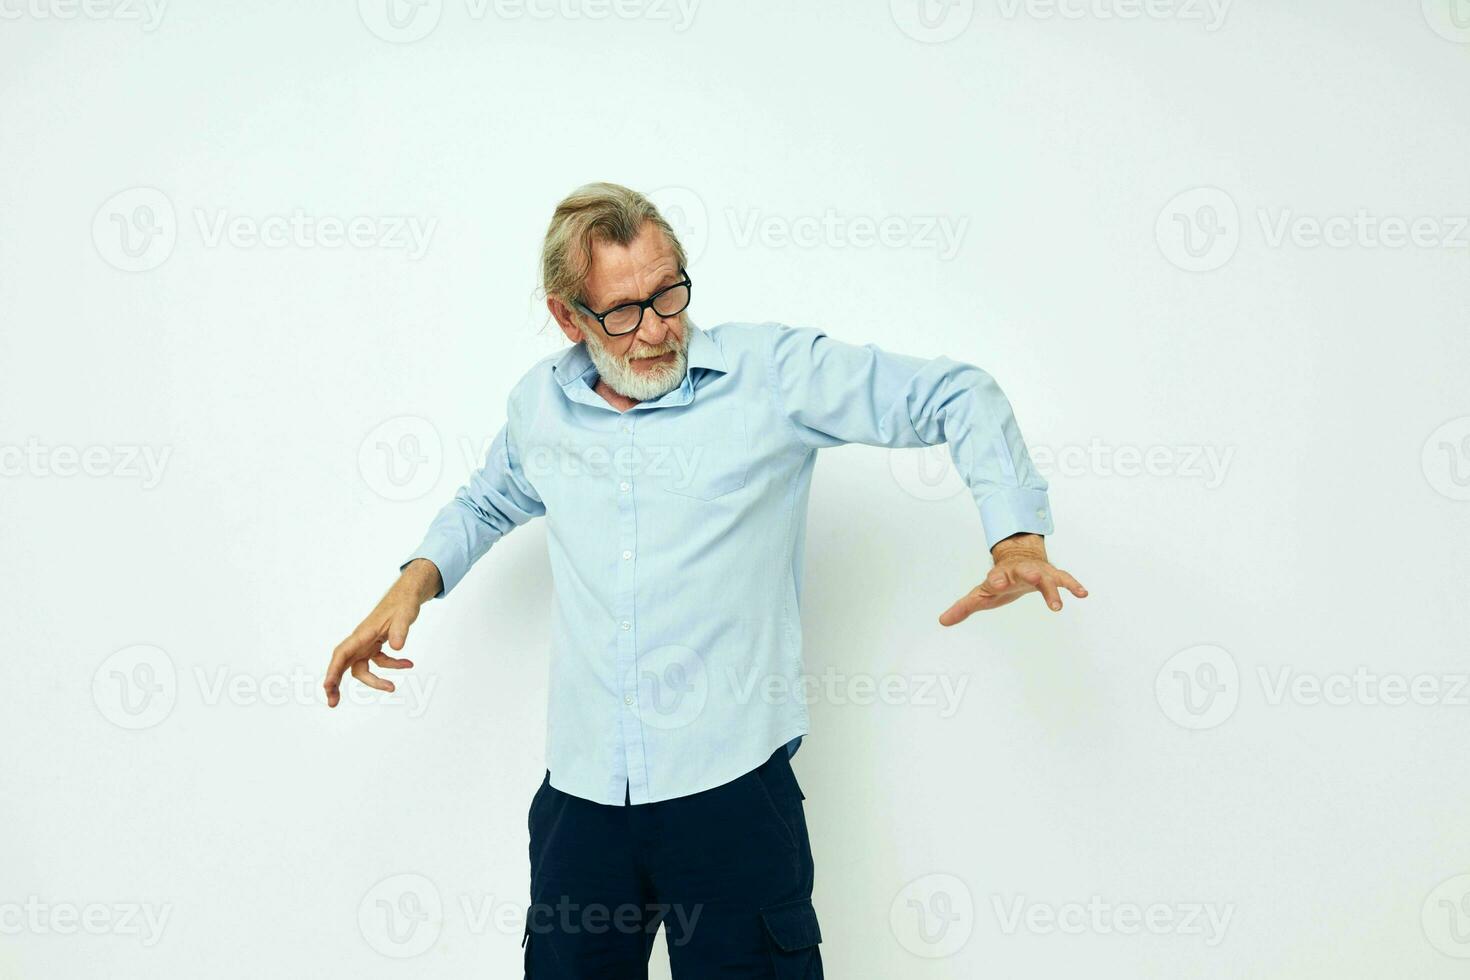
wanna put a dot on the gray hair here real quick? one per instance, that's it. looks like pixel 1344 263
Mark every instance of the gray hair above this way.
pixel 599 212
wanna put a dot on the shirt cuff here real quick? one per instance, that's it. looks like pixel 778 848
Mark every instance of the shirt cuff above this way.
pixel 453 559
pixel 1013 511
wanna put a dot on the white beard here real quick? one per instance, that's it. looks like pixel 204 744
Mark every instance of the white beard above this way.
pixel 639 385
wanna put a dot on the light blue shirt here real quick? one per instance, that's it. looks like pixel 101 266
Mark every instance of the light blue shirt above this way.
pixel 676 533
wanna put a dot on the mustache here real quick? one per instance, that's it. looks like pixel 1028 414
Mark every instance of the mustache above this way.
pixel 654 351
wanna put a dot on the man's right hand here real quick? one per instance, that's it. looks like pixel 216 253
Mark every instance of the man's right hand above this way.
pixel 388 622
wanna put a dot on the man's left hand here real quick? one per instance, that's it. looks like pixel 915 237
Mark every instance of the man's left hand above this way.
pixel 1021 566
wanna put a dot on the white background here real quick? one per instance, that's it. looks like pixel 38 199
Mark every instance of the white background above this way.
pixel 165 749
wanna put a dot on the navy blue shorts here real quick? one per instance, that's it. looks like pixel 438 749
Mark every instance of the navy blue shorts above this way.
pixel 727 873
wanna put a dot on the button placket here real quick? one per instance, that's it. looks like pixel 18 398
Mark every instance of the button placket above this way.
pixel 626 610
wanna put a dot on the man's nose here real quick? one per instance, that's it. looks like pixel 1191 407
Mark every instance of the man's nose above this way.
pixel 654 329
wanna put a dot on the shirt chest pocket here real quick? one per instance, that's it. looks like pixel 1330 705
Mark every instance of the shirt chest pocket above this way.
pixel 699 455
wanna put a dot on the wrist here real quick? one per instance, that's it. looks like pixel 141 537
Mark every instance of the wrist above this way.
pixel 420 580
pixel 1030 546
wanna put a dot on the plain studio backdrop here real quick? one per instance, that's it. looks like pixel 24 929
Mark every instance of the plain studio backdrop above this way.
pixel 267 275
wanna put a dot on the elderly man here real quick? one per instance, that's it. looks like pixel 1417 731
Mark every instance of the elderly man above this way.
pixel 673 466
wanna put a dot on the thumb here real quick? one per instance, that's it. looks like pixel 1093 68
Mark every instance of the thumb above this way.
pixel 397 633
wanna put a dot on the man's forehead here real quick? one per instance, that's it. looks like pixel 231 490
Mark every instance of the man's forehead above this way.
pixel 627 271
pixel 613 279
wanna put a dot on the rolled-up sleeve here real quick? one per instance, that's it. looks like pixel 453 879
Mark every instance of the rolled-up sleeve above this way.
pixel 834 393
pixel 497 499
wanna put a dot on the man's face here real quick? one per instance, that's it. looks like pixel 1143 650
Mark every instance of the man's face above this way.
pixel 651 360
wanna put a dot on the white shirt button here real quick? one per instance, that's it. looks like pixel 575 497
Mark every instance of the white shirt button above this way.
pixel 627 625
pixel 1041 513
pixel 625 486
pixel 627 428
pixel 627 555
pixel 627 700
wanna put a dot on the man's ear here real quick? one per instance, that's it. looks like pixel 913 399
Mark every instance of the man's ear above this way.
pixel 564 319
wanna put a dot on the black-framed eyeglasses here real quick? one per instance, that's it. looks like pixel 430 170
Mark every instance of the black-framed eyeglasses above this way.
pixel 627 317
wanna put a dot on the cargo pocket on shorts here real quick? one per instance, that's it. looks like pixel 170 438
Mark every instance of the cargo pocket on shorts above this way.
pixel 793 933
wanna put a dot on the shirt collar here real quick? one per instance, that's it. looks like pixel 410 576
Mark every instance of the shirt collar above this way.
pixel 703 353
